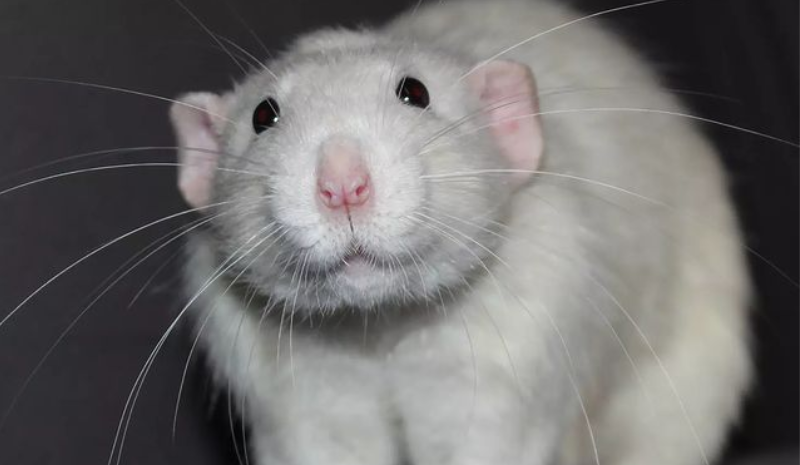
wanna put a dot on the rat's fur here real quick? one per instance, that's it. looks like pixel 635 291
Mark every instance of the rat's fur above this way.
pixel 498 331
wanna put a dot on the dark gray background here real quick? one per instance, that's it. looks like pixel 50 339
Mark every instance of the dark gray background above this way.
pixel 744 50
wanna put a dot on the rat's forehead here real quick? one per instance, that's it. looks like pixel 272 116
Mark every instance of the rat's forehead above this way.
pixel 349 67
pixel 352 77
pixel 344 70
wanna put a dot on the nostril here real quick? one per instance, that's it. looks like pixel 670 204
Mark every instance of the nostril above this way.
pixel 329 196
pixel 359 193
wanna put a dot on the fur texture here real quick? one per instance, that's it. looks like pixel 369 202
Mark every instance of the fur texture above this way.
pixel 593 310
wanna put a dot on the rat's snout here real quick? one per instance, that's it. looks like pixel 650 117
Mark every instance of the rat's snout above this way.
pixel 342 176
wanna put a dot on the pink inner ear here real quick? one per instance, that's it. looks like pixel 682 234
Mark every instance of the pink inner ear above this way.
pixel 195 120
pixel 507 93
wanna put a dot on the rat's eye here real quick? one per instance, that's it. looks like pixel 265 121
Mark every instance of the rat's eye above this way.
pixel 265 116
pixel 412 92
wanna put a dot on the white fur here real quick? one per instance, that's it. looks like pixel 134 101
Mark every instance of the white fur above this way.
pixel 599 306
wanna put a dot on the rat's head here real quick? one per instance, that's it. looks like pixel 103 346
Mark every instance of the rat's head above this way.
pixel 354 172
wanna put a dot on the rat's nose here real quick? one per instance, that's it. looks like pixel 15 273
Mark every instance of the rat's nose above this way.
pixel 342 177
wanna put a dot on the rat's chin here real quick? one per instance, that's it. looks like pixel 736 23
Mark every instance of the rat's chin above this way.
pixel 356 267
pixel 360 283
pixel 358 274
pixel 355 281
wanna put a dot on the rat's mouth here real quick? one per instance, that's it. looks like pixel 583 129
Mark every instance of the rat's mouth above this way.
pixel 355 256
pixel 359 263
pixel 356 262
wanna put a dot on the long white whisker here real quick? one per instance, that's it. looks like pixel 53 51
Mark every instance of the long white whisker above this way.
pixel 465 222
pixel 488 272
pixel 634 110
pixel 152 278
pixel 556 91
pixel 250 31
pixel 210 33
pixel 114 167
pixel 248 55
pixel 200 331
pixel 554 29
pixel 570 374
pixel 130 404
pixel 650 348
pixel 281 233
pixel 116 89
pixel 100 249
pixel 91 304
pixel 301 281
pixel 545 173
pixel 502 171
pixel 126 151
pixel 268 306
pixel 658 360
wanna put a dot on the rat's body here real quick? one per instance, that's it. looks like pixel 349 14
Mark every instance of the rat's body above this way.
pixel 611 289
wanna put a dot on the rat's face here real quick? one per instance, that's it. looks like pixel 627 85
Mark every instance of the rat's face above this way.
pixel 332 182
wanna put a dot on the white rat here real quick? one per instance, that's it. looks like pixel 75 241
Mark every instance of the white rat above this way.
pixel 415 256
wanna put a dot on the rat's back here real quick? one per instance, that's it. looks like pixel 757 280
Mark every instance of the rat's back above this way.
pixel 628 176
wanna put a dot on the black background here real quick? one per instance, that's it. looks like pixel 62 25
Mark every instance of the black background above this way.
pixel 744 52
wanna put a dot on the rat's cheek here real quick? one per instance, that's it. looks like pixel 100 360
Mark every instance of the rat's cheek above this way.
pixel 399 188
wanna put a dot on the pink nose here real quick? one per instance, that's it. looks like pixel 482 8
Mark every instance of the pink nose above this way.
pixel 343 180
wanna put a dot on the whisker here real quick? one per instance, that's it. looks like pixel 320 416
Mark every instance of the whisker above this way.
pixel 570 375
pixel 457 174
pixel 557 91
pixel 617 304
pixel 658 360
pixel 210 33
pixel 637 110
pixel 116 167
pixel 100 249
pixel 202 327
pixel 182 231
pixel 116 89
pixel 465 236
pixel 249 55
pixel 465 222
pixel 488 272
pixel 198 151
pixel 249 30
pixel 233 348
pixel 152 278
pixel 301 281
pixel 130 404
pixel 548 31
pixel 546 173
pixel 502 103
pixel 554 29
pixel 193 347
pixel 512 99
pixel 268 307
pixel 468 334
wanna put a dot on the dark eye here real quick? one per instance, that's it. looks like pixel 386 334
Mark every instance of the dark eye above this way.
pixel 265 116
pixel 412 92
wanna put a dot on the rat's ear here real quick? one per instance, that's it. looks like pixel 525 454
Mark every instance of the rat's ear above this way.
pixel 198 119
pixel 507 94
